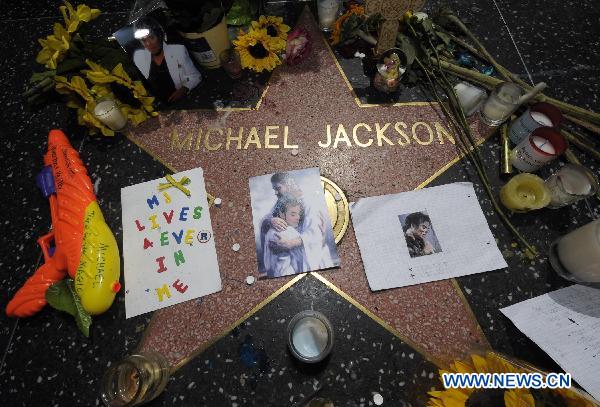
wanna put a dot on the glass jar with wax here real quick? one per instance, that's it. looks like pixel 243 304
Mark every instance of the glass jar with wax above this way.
pixel 327 11
pixel 108 112
pixel 576 256
pixel 502 102
pixel 310 336
pixel 570 184
pixel 538 115
pixel 538 149
pixel 135 380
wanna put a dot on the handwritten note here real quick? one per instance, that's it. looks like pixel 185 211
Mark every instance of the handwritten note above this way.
pixel 566 325
pixel 168 243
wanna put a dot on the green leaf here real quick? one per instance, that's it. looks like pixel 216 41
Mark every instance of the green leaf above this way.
pixel 62 296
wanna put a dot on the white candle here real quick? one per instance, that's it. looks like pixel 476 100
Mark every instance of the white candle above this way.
pixel 543 144
pixel 579 252
pixel 542 119
pixel 310 337
pixel 110 115
pixel 469 97
pixel 327 10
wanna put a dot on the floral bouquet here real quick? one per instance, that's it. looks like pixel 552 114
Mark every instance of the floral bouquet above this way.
pixel 268 43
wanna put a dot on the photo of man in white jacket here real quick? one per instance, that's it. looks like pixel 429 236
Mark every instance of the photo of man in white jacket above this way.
pixel 168 68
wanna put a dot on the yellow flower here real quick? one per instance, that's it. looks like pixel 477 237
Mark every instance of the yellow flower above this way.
pixel 275 28
pixel 74 17
pixel 99 75
pixel 54 47
pixel 492 362
pixel 257 50
pixel 83 100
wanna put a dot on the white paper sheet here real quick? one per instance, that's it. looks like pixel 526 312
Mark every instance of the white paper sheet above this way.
pixel 459 236
pixel 566 325
pixel 169 251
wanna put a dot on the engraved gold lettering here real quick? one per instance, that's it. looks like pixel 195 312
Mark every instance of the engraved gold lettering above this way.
pixel 381 134
pixel 441 132
pixel 355 136
pixel 285 139
pixel 252 139
pixel 325 145
pixel 231 138
pixel 269 136
pixel 198 140
pixel 341 135
pixel 207 145
pixel 402 134
pixel 417 139
pixel 177 144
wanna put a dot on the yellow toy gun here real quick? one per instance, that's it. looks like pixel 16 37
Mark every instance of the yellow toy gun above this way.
pixel 84 247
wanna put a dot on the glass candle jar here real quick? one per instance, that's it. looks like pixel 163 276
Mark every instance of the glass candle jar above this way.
pixel 502 102
pixel 135 380
pixel 576 256
pixel 570 184
pixel 109 114
pixel 327 11
pixel 310 336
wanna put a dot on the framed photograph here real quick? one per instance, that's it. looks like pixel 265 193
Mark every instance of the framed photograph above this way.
pixel 293 231
pixel 161 58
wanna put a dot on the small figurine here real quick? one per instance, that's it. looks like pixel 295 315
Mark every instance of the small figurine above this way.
pixel 387 78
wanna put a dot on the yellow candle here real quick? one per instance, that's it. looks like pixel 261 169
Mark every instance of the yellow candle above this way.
pixel 525 192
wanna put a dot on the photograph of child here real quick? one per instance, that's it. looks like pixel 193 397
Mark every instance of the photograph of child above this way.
pixel 419 234
pixel 292 227
pixel 165 64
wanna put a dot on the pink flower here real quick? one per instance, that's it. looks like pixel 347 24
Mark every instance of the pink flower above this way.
pixel 298 46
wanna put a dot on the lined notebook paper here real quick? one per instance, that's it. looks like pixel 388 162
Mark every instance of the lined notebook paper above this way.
pixel 566 325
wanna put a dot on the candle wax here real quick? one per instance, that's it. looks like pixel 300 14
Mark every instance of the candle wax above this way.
pixel 525 192
pixel 543 145
pixel 542 119
pixel 579 252
pixel 310 337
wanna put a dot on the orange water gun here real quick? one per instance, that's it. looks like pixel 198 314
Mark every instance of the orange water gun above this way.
pixel 84 247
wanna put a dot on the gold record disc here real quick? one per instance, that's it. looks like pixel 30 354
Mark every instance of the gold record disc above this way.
pixel 337 206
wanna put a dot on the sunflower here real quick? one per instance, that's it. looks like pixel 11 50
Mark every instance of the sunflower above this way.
pixel 257 50
pixel 336 34
pixel 276 29
pixel 491 362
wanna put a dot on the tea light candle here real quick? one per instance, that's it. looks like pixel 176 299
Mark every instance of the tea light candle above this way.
pixel 538 115
pixel 525 192
pixel 539 148
pixel 576 256
pixel 310 336
pixel 541 118
pixel 543 144
pixel 109 114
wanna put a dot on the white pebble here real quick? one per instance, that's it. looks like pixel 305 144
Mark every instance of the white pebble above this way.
pixel 250 280
pixel 337 196
pixel 377 399
pixel 236 247
pixel 218 202
pixel 294 151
